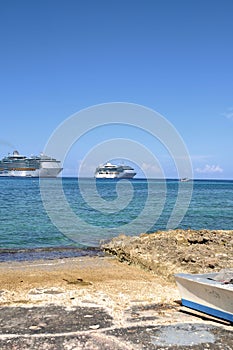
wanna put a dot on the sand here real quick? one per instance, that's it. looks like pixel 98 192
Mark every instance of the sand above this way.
pixel 72 280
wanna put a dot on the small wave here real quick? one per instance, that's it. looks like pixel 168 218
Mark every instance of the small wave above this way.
pixel 47 253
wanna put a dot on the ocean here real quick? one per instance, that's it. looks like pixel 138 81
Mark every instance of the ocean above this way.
pixel 67 217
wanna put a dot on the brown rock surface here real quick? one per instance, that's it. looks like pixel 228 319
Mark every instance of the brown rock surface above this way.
pixel 169 252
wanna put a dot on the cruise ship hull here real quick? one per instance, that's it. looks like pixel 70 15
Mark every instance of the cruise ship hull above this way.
pixel 31 173
pixel 115 176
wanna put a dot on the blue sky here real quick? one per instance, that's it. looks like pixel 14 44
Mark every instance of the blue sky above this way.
pixel 172 56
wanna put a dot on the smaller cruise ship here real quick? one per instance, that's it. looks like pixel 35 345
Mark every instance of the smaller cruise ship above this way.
pixel 112 171
pixel 19 165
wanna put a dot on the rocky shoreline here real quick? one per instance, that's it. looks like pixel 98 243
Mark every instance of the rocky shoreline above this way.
pixel 168 252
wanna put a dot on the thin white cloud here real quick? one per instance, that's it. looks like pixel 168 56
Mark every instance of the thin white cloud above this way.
pixel 209 169
pixel 199 157
pixel 229 113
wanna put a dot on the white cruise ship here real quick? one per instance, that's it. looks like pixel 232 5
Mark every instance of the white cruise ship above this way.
pixel 36 166
pixel 112 171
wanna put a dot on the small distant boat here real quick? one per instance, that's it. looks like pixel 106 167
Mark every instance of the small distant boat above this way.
pixel 210 293
pixel 18 165
pixel 112 171
pixel 184 179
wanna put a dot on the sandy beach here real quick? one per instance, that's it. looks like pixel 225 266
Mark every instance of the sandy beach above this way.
pixel 72 280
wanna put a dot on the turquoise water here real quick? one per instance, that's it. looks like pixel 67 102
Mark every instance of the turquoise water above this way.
pixel 96 211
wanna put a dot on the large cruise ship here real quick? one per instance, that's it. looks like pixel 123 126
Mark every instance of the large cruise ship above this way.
pixel 112 171
pixel 35 166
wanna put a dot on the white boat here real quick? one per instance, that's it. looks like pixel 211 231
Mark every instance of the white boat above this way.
pixel 17 165
pixel 112 171
pixel 184 179
pixel 210 293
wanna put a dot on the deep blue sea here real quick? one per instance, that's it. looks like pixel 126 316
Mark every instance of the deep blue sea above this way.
pixel 52 218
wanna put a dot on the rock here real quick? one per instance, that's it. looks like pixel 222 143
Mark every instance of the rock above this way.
pixel 211 263
pixel 168 252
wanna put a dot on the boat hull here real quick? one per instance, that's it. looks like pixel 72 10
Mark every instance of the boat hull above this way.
pixel 106 176
pixel 126 175
pixel 115 176
pixel 200 293
pixel 43 172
